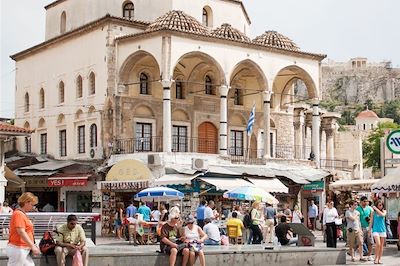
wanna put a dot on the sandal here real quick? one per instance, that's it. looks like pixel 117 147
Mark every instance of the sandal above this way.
pixel 353 259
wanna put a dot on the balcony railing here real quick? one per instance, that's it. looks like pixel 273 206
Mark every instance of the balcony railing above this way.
pixel 134 145
pixel 337 164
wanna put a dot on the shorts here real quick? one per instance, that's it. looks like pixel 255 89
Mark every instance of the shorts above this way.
pixel 354 235
pixel 380 234
pixel 167 250
pixel 367 239
pixel 117 224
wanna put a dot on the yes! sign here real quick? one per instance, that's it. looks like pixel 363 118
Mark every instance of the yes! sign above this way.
pixel 393 141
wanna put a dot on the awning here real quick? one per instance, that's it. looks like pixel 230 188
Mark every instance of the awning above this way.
pixel 13 179
pixel 270 184
pixel 353 185
pixel 175 179
pixel 227 183
pixel 129 170
pixel 67 181
pixel 389 183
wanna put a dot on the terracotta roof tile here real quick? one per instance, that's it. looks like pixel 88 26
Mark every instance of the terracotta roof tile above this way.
pixel 177 20
pixel 275 39
pixel 7 128
pixel 367 114
pixel 226 31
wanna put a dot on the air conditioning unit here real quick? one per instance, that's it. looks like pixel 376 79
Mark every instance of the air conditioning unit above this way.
pixel 96 153
pixel 153 160
pixel 199 164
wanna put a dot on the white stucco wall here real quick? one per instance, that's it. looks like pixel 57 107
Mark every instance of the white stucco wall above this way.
pixel 45 69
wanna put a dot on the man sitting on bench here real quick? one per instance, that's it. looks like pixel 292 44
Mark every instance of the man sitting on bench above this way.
pixel 282 232
pixel 71 238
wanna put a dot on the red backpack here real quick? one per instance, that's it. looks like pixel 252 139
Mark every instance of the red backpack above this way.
pixel 47 244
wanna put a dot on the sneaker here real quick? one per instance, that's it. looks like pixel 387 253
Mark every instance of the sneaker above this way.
pixel 363 259
pixel 370 258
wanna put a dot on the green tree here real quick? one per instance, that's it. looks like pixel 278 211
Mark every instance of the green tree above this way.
pixel 371 146
pixel 392 110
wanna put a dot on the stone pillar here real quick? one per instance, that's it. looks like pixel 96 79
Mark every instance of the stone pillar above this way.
pixel 299 136
pixel 330 144
pixel 3 180
pixel 315 132
pixel 267 123
pixel 323 145
pixel 167 123
pixel 223 121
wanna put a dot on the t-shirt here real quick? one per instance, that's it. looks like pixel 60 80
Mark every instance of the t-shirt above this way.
pixel 156 214
pixel 131 211
pixel 379 223
pixel 208 213
pixel 364 212
pixel 269 212
pixel 281 231
pixel 170 232
pixel 145 211
pixel 75 236
pixel 235 222
pixel 312 211
pixel 212 231
pixel 355 225
pixel 20 220
pixel 200 212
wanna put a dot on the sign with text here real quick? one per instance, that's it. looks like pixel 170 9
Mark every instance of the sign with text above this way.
pixel 393 141
pixel 393 161
pixel 67 182
pixel 316 185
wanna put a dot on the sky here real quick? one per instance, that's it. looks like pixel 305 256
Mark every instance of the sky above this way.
pixel 342 29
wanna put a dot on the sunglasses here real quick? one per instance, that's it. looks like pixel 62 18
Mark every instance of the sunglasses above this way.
pixel 176 218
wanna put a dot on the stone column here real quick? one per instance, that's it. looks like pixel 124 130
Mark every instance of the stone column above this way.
pixel 299 136
pixel 223 121
pixel 323 145
pixel 330 144
pixel 267 123
pixel 315 131
pixel 3 180
pixel 167 123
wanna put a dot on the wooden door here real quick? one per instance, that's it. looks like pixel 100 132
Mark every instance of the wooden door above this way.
pixel 208 138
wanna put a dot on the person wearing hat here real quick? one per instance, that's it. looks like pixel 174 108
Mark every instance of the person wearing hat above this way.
pixel 194 237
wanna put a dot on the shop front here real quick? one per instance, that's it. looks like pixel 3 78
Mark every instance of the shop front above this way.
pixel 122 182
pixel 313 191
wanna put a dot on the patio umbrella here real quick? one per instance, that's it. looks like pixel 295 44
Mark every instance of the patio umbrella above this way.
pixel 250 193
pixel 159 193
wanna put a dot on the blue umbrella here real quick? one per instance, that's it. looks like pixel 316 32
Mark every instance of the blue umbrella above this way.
pixel 159 193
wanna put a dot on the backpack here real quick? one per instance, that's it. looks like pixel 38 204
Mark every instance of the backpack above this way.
pixel 247 220
pixel 47 244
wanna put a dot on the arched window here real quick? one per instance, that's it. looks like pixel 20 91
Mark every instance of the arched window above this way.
pixel 93 136
pixel 238 97
pixel 41 99
pixel 61 96
pixel 63 22
pixel 26 102
pixel 144 84
pixel 128 10
pixel 205 17
pixel 208 85
pixel 179 90
pixel 79 87
pixel 92 83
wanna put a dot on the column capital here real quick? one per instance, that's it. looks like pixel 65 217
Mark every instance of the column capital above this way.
pixel 315 102
pixel 329 132
pixel 166 83
pixel 267 95
pixel 297 125
pixel 223 90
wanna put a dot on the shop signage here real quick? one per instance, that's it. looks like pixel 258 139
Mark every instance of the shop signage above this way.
pixel 128 170
pixel 35 181
pixel 392 161
pixel 67 182
pixel 316 185
pixel 112 185
pixel 393 141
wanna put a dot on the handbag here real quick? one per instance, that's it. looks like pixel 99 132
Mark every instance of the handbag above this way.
pixel 338 221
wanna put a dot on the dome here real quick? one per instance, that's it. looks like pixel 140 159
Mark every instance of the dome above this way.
pixel 275 39
pixel 226 31
pixel 179 21
pixel 367 114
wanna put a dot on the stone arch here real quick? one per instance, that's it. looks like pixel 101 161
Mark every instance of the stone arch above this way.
pixel 144 111
pixel 91 111
pixel 180 115
pixel 237 119
pixel 132 61
pixel 78 114
pixel 200 62
pixel 27 125
pixel 284 80
pixel 42 123
pixel 61 119
pixel 63 22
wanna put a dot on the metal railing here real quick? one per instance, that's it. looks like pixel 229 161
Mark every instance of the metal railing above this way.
pixel 134 145
pixel 338 164
pixel 49 221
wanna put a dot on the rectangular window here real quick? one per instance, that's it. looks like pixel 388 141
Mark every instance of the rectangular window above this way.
pixel 43 143
pixel 236 142
pixel 28 145
pixel 63 143
pixel 179 139
pixel 143 137
pixel 81 139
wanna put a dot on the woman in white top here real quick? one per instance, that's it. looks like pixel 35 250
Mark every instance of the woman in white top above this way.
pixel 297 215
pixel 329 216
pixel 194 236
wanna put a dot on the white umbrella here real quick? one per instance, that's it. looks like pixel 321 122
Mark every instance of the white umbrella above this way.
pixel 389 183
pixel 159 193
pixel 250 193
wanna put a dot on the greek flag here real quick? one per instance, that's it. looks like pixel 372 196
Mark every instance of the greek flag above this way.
pixel 250 123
